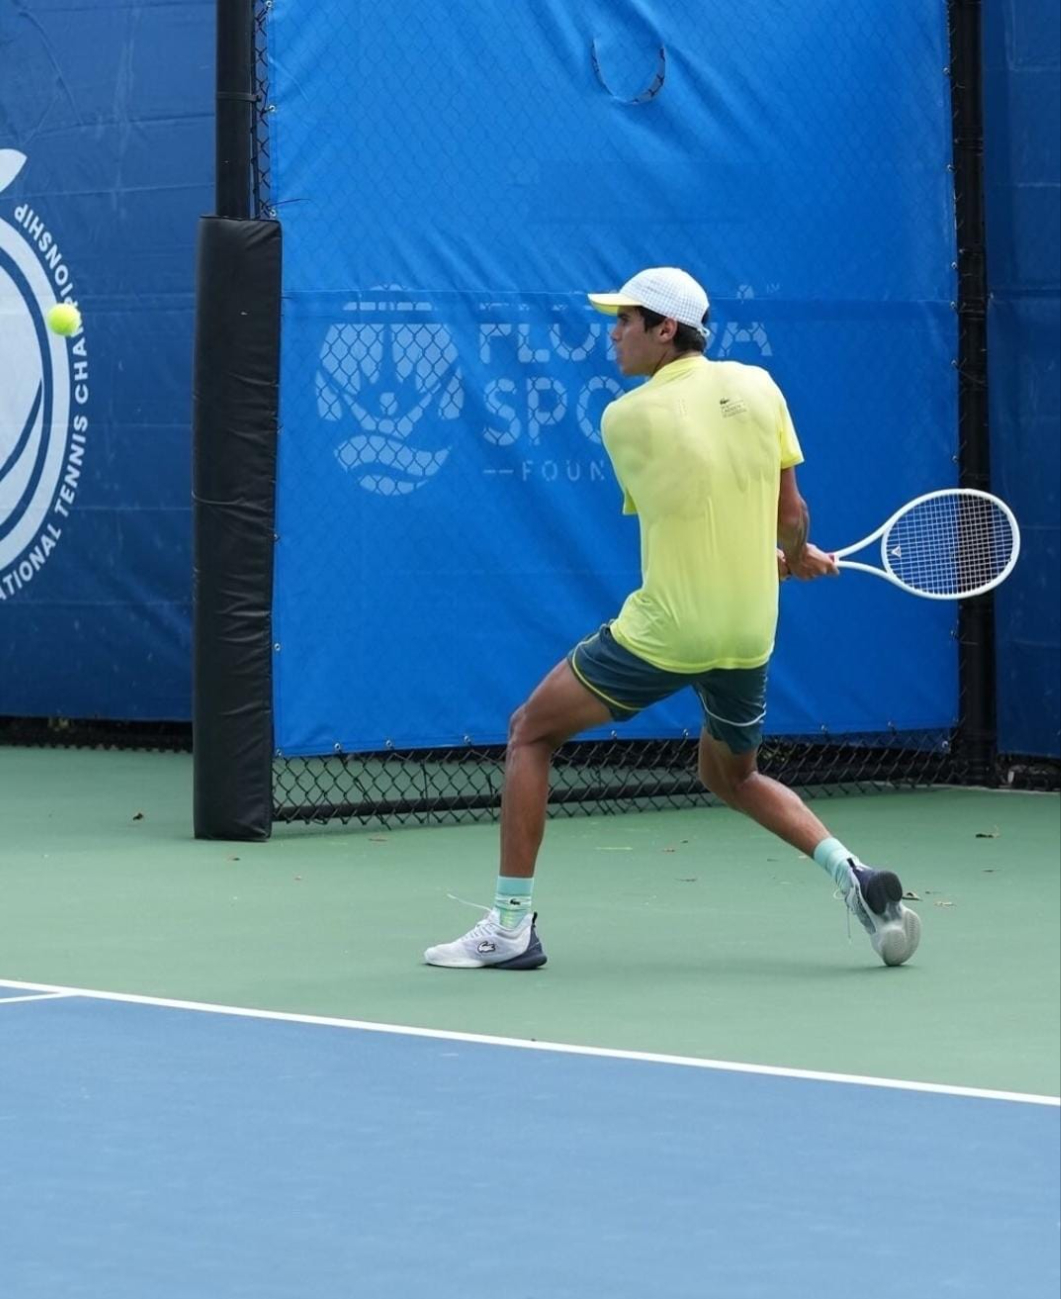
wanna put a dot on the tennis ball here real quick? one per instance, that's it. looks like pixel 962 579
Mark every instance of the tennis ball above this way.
pixel 64 318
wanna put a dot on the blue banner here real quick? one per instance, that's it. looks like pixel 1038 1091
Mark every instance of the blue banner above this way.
pixel 105 141
pixel 1022 181
pixel 451 181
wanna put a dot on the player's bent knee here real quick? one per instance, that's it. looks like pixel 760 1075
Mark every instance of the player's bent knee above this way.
pixel 517 725
pixel 741 787
pixel 525 728
pixel 732 787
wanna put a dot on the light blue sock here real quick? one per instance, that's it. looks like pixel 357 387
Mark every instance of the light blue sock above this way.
pixel 513 899
pixel 832 857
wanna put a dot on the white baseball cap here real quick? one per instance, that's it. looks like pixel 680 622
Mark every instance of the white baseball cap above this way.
pixel 663 289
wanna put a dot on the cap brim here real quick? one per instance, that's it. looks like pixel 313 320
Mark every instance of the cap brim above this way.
pixel 611 303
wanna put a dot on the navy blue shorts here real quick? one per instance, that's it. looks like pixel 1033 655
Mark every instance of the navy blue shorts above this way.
pixel 733 699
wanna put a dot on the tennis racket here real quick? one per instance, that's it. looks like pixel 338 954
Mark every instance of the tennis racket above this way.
pixel 947 545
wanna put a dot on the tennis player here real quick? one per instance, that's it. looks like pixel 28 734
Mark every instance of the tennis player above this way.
pixel 705 453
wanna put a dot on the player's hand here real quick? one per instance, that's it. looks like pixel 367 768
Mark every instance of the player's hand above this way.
pixel 812 563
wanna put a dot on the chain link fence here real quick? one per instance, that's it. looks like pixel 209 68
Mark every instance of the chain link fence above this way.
pixel 261 177
pixel 452 785
pixel 94 733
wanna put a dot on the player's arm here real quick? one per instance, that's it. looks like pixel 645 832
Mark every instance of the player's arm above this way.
pixel 793 521
pixel 797 557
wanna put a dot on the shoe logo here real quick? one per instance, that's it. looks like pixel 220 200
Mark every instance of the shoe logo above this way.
pixel 486 947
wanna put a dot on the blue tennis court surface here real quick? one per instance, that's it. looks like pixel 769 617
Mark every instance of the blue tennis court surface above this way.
pixel 157 1152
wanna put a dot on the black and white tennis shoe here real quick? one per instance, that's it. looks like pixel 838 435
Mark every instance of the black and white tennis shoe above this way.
pixel 874 898
pixel 490 946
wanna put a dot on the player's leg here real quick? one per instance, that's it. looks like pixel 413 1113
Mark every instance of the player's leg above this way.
pixel 599 681
pixel 734 706
pixel 561 706
pixel 735 778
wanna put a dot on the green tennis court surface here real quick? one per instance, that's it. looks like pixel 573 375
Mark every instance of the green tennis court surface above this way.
pixel 687 933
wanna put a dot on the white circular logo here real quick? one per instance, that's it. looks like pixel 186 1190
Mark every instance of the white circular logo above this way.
pixel 43 386
pixel 393 372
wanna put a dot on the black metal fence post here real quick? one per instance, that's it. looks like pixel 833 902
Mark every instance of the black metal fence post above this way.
pixel 977 732
pixel 234 113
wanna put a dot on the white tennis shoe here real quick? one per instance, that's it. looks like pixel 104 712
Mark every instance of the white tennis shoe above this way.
pixel 874 898
pixel 490 946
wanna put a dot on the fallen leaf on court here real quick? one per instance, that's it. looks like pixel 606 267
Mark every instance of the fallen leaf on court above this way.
pixel 942 903
pixel 988 834
pixel 298 877
pixel 687 879
pixel 914 897
pixel 988 870
pixel 139 816
pixel 377 838
pixel 670 850
pixel 231 859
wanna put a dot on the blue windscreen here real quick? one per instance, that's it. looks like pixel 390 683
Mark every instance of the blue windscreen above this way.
pixel 451 181
pixel 1022 180
pixel 106 135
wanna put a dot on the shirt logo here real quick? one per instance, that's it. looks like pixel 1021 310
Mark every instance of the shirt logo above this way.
pixel 731 406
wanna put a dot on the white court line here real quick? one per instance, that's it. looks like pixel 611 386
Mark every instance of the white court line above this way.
pixel 608 1053
pixel 37 996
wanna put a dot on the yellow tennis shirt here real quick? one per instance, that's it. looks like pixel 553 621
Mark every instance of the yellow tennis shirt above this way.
pixel 698 451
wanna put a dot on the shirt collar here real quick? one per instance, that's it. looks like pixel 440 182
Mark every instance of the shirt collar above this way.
pixel 679 368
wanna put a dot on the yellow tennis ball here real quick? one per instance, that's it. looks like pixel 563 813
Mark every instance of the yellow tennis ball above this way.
pixel 64 318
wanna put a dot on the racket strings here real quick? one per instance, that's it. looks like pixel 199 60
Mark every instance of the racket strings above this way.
pixel 949 545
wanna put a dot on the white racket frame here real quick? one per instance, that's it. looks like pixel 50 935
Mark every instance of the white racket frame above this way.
pixel 889 574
